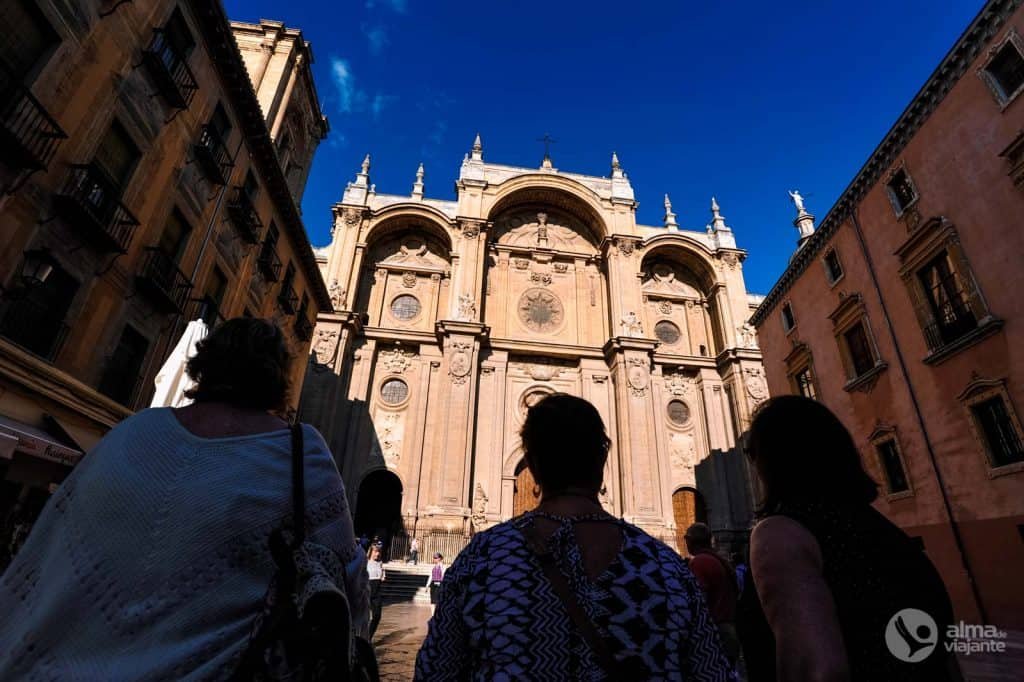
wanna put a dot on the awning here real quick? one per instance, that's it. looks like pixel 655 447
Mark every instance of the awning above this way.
pixel 34 441
pixel 172 381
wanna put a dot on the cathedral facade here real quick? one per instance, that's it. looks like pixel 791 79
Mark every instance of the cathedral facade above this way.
pixel 452 317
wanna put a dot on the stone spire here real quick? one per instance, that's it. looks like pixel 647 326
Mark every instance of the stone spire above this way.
pixel 356 192
pixel 417 187
pixel 804 221
pixel 617 167
pixel 477 152
pixel 718 230
pixel 670 217
pixel 717 219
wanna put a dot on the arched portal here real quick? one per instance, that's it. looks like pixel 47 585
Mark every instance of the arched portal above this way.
pixel 379 505
pixel 688 508
pixel 527 495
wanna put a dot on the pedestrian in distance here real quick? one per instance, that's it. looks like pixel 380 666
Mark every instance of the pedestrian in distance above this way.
pixel 414 552
pixel 377 575
pixel 835 583
pixel 151 561
pixel 718 580
pixel 436 578
pixel 567 591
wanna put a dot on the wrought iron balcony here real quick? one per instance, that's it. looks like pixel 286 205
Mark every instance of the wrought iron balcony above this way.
pixel 269 263
pixel 91 201
pixel 212 155
pixel 955 321
pixel 243 216
pixel 160 278
pixel 170 71
pixel 205 309
pixel 28 135
pixel 303 328
pixel 288 300
pixel 33 327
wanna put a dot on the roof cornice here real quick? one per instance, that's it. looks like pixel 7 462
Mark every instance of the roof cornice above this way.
pixel 985 25
pixel 220 42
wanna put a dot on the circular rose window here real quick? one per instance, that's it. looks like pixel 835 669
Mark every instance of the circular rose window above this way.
pixel 540 310
pixel 678 412
pixel 394 391
pixel 405 307
pixel 667 332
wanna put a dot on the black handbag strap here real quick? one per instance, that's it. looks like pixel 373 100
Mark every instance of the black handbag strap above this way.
pixel 298 485
pixel 599 645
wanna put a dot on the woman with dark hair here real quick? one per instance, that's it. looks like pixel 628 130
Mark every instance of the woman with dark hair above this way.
pixel 567 591
pixel 151 561
pixel 831 575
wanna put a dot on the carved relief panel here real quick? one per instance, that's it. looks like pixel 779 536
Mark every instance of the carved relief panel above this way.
pixel 404 282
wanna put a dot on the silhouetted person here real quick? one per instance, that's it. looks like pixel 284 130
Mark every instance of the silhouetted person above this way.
pixel 375 572
pixel 718 581
pixel 828 569
pixel 152 560
pixel 567 591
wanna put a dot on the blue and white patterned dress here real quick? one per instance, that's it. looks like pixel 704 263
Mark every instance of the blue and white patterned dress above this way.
pixel 500 619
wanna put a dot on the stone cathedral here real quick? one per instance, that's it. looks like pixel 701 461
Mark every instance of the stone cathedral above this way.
pixel 452 317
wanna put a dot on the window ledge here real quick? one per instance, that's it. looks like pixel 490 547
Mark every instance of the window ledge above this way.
pixel 832 284
pixel 1006 469
pixel 988 326
pixel 865 381
pixel 901 495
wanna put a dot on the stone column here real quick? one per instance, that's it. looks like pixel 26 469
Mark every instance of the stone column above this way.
pixel 622 256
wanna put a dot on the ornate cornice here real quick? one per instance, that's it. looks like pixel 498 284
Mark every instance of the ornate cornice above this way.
pixel 953 66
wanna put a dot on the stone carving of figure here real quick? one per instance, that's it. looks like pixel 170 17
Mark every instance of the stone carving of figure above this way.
pixel 479 517
pixel 798 200
pixel 631 325
pixel 542 228
pixel 467 308
pixel 746 337
pixel 337 295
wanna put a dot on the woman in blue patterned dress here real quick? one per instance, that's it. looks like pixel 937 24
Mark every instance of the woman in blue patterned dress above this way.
pixel 568 591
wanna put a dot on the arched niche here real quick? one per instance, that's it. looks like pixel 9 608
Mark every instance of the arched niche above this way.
pixel 544 279
pixel 680 308
pixel 403 280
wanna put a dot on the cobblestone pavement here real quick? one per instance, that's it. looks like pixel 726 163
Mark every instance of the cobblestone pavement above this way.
pixel 399 636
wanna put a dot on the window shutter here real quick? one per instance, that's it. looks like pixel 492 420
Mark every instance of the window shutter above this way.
pixel 975 300
pixel 922 310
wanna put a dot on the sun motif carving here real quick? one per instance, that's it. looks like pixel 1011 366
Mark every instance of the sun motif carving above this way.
pixel 540 310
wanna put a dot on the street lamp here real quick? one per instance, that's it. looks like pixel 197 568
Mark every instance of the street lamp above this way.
pixel 35 269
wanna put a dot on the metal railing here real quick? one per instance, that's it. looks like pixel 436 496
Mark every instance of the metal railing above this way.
pixel 448 543
pixel 212 155
pixel 956 321
pixel 28 134
pixel 34 327
pixel 269 263
pixel 160 277
pixel 89 200
pixel 170 70
pixel 243 216
pixel 288 300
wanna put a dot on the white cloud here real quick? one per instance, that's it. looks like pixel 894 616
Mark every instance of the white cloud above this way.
pixel 376 38
pixel 344 81
pixel 379 102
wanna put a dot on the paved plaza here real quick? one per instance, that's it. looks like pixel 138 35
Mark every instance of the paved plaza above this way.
pixel 399 636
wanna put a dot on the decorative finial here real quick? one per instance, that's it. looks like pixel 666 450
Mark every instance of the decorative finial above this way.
pixel 615 161
pixel 548 141
pixel 419 172
pixel 714 208
pixel 804 221
pixel 417 187
pixel 617 171
pixel 670 217
pixel 717 219
pixel 478 149
pixel 366 165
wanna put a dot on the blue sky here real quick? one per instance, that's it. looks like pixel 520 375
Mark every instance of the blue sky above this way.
pixel 741 100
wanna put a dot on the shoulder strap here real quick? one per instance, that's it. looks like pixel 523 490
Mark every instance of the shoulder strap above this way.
pixel 298 485
pixel 599 645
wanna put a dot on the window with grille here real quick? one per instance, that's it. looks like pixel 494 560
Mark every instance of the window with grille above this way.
pixel 175 236
pixel 858 348
pixel 1006 69
pixel 946 299
pixel 1002 442
pixel 394 392
pixel 667 332
pixel 179 35
pixel 27 37
pixel 788 321
pixel 805 383
pixel 405 307
pixel 678 412
pixel 117 154
pixel 892 467
pixel 36 320
pixel 833 268
pixel 124 367
pixel 901 190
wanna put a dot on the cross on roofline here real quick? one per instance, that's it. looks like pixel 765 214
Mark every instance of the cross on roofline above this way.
pixel 548 141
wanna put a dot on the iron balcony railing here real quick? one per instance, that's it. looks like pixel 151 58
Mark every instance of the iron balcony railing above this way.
pixel 243 216
pixel 212 155
pixel 953 321
pixel 169 69
pixel 269 263
pixel 288 300
pixel 90 201
pixel 303 328
pixel 34 327
pixel 160 278
pixel 28 134
pixel 205 309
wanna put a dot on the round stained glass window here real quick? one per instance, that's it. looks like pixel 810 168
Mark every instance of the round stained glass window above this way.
pixel 678 412
pixel 667 332
pixel 405 307
pixel 394 392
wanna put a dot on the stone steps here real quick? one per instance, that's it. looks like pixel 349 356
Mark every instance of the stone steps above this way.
pixel 406 583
